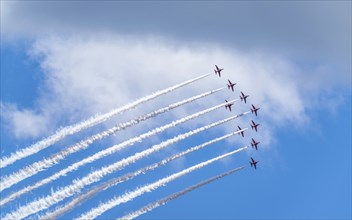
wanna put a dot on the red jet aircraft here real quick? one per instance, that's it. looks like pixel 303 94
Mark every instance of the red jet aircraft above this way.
pixel 254 125
pixel 253 163
pixel 254 110
pixel 242 132
pixel 230 85
pixel 217 70
pixel 228 106
pixel 255 144
pixel 244 97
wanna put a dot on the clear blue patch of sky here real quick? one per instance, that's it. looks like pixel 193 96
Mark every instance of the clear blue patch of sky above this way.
pixel 21 75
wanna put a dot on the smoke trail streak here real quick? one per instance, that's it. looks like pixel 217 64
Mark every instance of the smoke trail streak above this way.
pixel 165 200
pixel 94 120
pixel 46 163
pixel 77 185
pixel 79 200
pixel 97 211
pixel 107 152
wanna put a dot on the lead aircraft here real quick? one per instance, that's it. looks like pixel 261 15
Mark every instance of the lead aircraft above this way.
pixel 218 70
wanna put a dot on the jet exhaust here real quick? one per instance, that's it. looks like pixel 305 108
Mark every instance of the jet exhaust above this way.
pixel 67 191
pixel 165 200
pixel 94 120
pixel 104 153
pixel 46 163
pixel 79 200
pixel 95 212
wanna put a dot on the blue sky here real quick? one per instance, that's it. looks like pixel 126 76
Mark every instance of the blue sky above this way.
pixel 60 65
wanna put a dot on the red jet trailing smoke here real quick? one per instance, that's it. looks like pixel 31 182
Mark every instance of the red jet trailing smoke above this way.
pixel 228 106
pixel 254 144
pixel 217 70
pixel 230 85
pixel 254 125
pixel 244 97
pixel 254 110
pixel 242 132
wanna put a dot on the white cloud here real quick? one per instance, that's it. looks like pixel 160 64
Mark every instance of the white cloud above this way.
pixel 87 75
pixel 24 123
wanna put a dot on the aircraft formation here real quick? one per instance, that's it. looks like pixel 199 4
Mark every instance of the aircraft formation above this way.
pixel 254 110
pixel 14 190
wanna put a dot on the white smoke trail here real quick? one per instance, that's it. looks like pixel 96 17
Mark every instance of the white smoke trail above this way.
pixel 107 152
pixel 72 129
pixel 95 212
pixel 165 200
pixel 75 202
pixel 46 163
pixel 77 185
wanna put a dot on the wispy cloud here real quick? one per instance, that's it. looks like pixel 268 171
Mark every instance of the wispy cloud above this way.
pixel 24 123
pixel 89 75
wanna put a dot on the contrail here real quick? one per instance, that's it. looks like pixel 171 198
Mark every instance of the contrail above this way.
pixel 165 200
pixel 97 211
pixel 46 163
pixel 94 120
pixel 107 152
pixel 77 201
pixel 67 191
